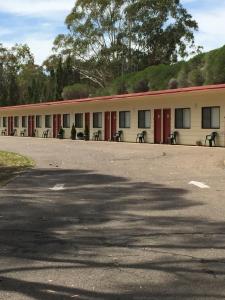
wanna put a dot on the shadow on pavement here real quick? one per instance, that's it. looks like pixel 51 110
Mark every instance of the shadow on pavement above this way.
pixel 132 232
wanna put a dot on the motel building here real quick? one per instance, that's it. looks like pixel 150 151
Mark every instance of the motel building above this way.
pixel 193 113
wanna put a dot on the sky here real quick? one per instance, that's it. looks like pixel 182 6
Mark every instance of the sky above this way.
pixel 38 22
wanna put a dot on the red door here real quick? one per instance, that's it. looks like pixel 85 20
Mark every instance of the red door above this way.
pixel 113 124
pixel 31 126
pixel 87 121
pixel 157 126
pixel 56 125
pixel 10 125
pixel 107 126
pixel 166 125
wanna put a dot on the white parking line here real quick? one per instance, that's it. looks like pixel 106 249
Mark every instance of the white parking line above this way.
pixel 201 185
pixel 58 187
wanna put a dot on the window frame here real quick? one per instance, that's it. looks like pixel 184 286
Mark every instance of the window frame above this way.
pixel 176 126
pixel 122 123
pixel 210 108
pixel 97 122
pixel 80 122
pixel 4 122
pixel 24 121
pixel 38 121
pixel 66 120
pixel 49 118
pixel 144 120
pixel 16 121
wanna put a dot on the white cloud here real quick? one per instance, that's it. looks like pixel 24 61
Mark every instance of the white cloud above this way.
pixel 41 46
pixel 211 27
pixel 40 8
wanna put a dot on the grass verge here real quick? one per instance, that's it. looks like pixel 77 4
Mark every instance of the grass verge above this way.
pixel 11 164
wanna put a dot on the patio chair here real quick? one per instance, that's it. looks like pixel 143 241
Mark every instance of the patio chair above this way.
pixel 141 137
pixel 22 132
pixel 211 138
pixel 3 132
pixel 96 135
pixel 61 133
pixel 118 136
pixel 14 132
pixel 45 133
pixel 172 138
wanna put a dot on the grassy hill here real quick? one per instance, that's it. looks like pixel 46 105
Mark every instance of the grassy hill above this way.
pixel 203 69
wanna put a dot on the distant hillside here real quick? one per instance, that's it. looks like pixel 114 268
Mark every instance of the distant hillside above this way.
pixel 203 69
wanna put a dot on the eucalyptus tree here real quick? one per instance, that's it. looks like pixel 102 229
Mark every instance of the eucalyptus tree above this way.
pixel 108 38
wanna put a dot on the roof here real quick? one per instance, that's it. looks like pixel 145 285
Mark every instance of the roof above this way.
pixel 118 97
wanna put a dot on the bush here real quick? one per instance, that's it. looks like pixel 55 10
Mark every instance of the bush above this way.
pixel 76 91
pixel 80 135
pixel 122 88
pixel 73 132
pixel 173 84
pixel 195 77
pixel 141 86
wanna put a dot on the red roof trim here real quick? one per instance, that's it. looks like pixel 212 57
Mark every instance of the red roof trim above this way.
pixel 118 97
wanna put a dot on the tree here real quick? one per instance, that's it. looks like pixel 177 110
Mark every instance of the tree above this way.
pixel 76 91
pixel 141 86
pixel 110 37
pixel 161 29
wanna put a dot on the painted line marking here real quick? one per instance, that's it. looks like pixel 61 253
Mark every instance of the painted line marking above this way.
pixel 58 187
pixel 201 185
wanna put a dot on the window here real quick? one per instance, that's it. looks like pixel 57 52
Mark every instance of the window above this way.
pixel 182 118
pixel 48 121
pixel 79 120
pixel 210 117
pixel 97 120
pixel 66 121
pixel 124 119
pixel 38 121
pixel 24 122
pixel 4 122
pixel 16 122
pixel 144 118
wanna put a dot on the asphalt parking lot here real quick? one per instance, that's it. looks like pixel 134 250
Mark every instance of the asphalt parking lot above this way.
pixel 98 220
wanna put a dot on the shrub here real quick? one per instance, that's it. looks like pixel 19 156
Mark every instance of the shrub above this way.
pixel 73 132
pixel 75 91
pixel 122 88
pixel 173 83
pixel 80 135
pixel 195 77
pixel 141 86
pixel 183 78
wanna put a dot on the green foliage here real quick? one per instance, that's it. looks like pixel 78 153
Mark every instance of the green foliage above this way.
pixel 86 133
pixel 141 86
pixel 215 66
pixel 75 91
pixel 122 88
pixel 173 84
pixel 73 132
pixel 110 38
